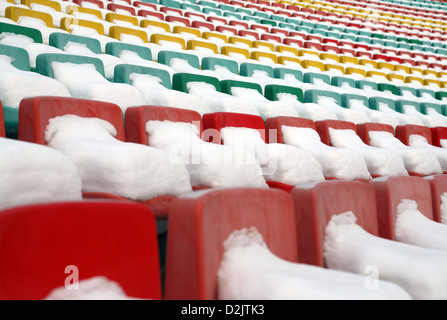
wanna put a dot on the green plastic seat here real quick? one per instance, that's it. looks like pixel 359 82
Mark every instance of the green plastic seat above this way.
pixel 227 85
pixel 190 6
pixel 247 69
pixel 115 48
pixel 423 92
pixel 226 7
pixel 171 4
pixel 346 98
pixel 374 103
pixel 364 84
pixel 20 56
pixel 310 77
pixel 308 24
pixel 60 40
pixel 269 22
pixel 32 33
pixel 351 37
pixel 400 104
pixel 261 14
pixel 438 107
pixel 312 96
pixel 11 120
pixel 205 3
pixel 244 11
pixel 342 81
pixel 440 95
pixel 386 87
pixel 234 15
pixel 209 63
pixel 277 18
pixel 281 72
pixel 253 18
pixel 123 72
pixel 180 81
pixel 44 61
pixel 215 11
pixel 165 57
pixel 272 91
pixel 403 91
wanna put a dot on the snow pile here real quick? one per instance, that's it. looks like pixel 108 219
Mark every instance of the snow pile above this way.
pixel 383 162
pixel 267 109
pixel 375 115
pixel 156 94
pixel 221 102
pixel 339 163
pixel 420 271
pixel 16 84
pixel 208 164
pixel 95 288
pixel 183 66
pixel 403 118
pixel 414 228
pixel 428 120
pixel 350 115
pixel 279 162
pixel 417 160
pixel 85 82
pixel 443 208
pixel 131 57
pixel 250 271
pixel 311 111
pixel 106 164
pixel 417 141
pixel 32 173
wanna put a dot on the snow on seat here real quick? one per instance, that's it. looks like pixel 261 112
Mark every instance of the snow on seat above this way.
pixel 438 185
pixel 389 106
pixel 178 131
pixel 380 162
pixel 280 163
pixel 413 108
pixel 332 101
pixel 420 137
pixel 342 216
pixel 84 77
pixel 248 239
pixel 62 240
pixel 32 173
pixel 2 122
pixel 31 83
pixel 337 163
pixel 91 133
pixel 156 87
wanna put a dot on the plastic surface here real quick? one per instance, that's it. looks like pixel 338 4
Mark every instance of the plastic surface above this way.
pixel 123 72
pixel 32 33
pixel 324 125
pixel 273 126
pixel 214 122
pixel 44 61
pixel 403 133
pixel 35 113
pixel 112 239
pixel 137 117
pixel 2 122
pixel 391 191
pixel 438 187
pixel 20 56
pixel 198 225
pixel 315 204
pixel 438 133
pixel 363 130
pixel 60 40
pixel 180 81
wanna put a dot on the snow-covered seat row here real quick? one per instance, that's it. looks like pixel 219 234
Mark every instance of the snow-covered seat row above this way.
pixel 67 249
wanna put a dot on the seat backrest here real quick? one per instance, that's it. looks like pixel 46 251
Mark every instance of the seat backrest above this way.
pixel 214 122
pixel 60 40
pixel 315 204
pixel 324 125
pixel 43 245
pixel 273 127
pixel 390 191
pixel 438 185
pixel 44 62
pixel 20 56
pixel 438 134
pixel 116 47
pixel 123 72
pixel 404 132
pixel 363 129
pixel 35 114
pixel 199 224
pixel 137 117
pixel 32 33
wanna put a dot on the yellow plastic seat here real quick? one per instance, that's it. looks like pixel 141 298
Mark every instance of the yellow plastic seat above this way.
pixel 393 76
pixel 73 10
pixel 196 44
pixel 303 53
pixel 289 61
pixel 366 62
pixel 193 32
pixel 261 44
pixel 287 50
pixel 385 65
pixel 355 71
pixel 233 51
pixel 146 23
pixel 428 82
pixel 411 79
pixel 116 32
pixel 418 72
pixel 48 3
pixel 370 74
pixel 67 23
pixel 210 35
pixel 262 56
pixel 347 59
pixel 332 67
pixel 116 17
pixel 330 56
pixel 240 41
pixel 160 38
pixel 400 67
pixel 14 13
pixel 428 72
pixel 312 64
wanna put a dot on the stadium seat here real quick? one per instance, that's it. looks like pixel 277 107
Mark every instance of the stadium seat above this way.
pixel 2 122
pixel 191 268
pixel 438 185
pixel 63 243
pixel 116 49
pixel 44 62
pixel 316 204
pixel 403 133
pixel 390 191
pixel 60 40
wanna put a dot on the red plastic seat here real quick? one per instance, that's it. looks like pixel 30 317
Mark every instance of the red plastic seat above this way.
pixel 182 20
pixel 198 225
pixel 173 11
pixel 438 185
pixel 273 126
pixel 239 24
pixel 35 113
pixel 149 13
pixel 202 24
pixel 214 122
pixel 224 29
pixel 100 4
pixel 403 133
pixel 137 117
pixel 391 191
pixel 315 205
pixel 249 33
pixel 2 122
pixel 112 239
pixel 324 125
pixel 438 133
pixel 364 129
pixel 114 7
